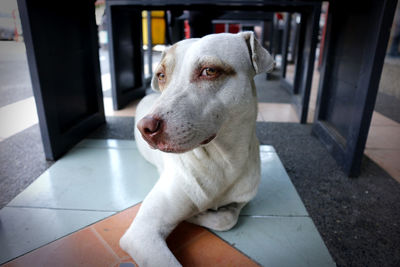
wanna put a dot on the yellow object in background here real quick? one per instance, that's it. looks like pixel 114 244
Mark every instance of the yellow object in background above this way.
pixel 157 27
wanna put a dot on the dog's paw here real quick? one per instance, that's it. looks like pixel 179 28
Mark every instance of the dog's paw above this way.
pixel 149 252
pixel 124 242
pixel 129 243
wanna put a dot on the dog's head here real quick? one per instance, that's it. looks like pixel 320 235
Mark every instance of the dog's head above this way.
pixel 204 84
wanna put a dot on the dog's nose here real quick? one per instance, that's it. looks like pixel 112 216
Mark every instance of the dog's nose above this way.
pixel 150 126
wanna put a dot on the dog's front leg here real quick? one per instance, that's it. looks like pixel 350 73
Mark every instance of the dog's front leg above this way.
pixel 161 211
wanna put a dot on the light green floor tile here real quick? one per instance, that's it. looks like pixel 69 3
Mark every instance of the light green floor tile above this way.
pixel 279 241
pixel 276 194
pixel 24 229
pixel 93 178
pixel 265 148
pixel 106 143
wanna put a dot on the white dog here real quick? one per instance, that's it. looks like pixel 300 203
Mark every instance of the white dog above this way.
pixel 203 127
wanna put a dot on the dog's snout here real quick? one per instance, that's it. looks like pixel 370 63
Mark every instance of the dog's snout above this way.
pixel 150 127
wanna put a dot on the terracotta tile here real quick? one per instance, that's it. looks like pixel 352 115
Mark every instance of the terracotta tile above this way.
pixel 183 234
pixel 384 137
pixel 182 240
pixel 98 245
pixel 112 229
pixel 209 250
pixel 387 159
pixel 82 248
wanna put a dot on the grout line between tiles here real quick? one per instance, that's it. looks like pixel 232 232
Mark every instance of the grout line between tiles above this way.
pixel 51 208
pixel 124 258
pixel 50 242
pixel 73 232
pixel 105 244
pixel 234 247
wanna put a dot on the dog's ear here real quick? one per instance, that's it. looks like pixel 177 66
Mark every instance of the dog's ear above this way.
pixel 261 60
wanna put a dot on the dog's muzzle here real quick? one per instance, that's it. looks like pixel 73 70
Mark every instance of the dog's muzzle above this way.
pixel 152 129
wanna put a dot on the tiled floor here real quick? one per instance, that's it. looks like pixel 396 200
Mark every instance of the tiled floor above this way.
pixel 97 245
pixel 52 221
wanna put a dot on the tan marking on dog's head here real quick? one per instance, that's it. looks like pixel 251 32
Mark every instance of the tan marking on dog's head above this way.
pixel 164 70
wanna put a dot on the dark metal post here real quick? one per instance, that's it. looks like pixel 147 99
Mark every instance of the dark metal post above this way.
pixel 355 47
pixel 126 54
pixel 309 31
pixel 64 65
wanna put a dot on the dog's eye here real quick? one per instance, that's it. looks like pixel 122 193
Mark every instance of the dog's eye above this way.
pixel 209 72
pixel 161 76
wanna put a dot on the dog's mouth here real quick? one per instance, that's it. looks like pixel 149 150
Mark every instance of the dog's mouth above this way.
pixel 170 148
pixel 208 140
